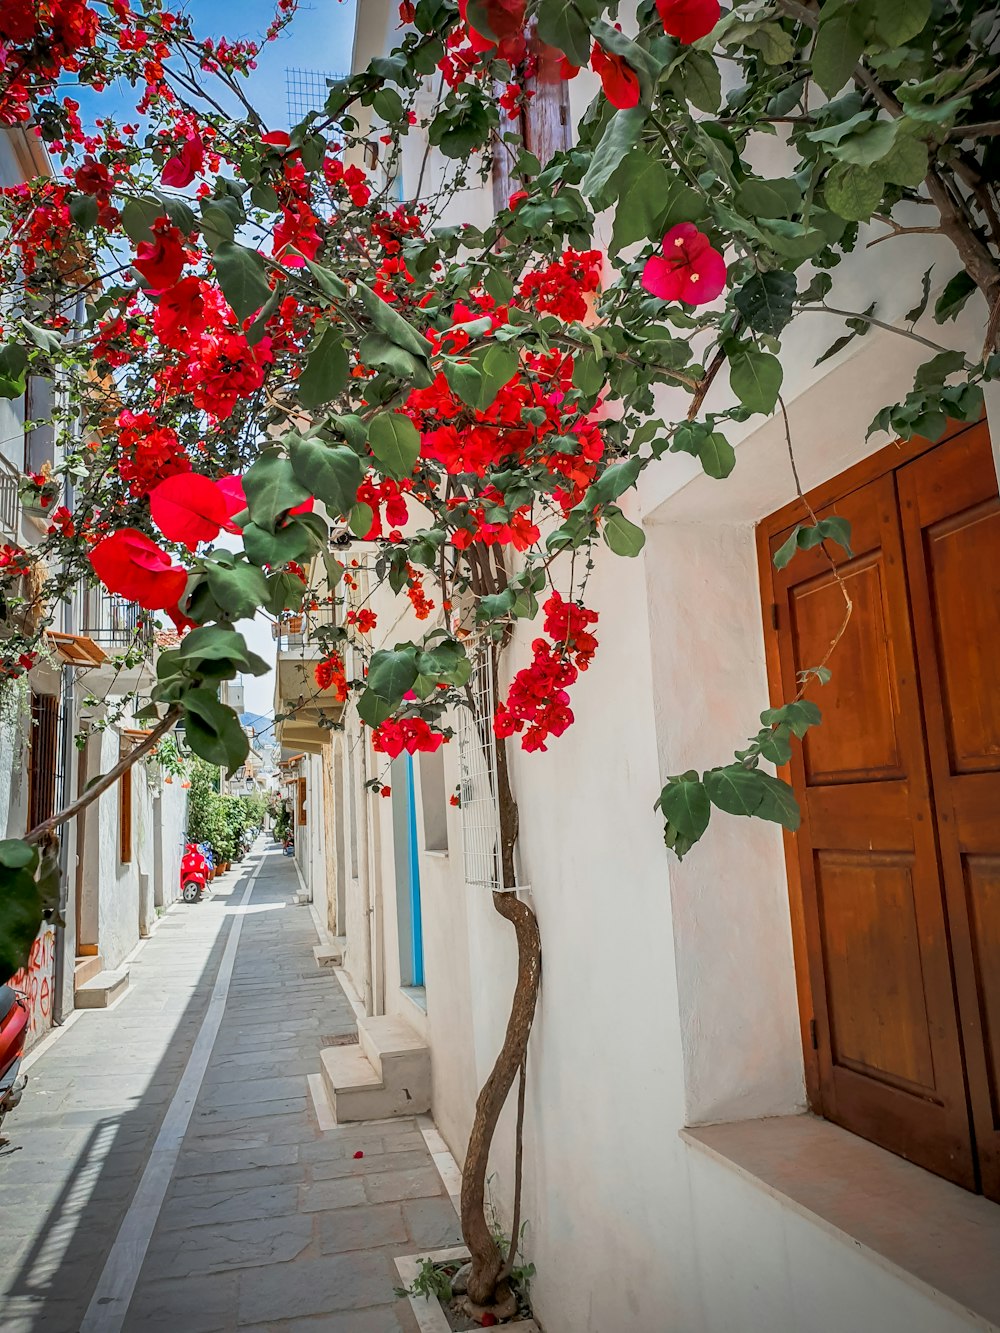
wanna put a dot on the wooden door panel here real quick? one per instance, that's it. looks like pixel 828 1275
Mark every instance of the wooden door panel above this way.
pixel 861 692
pixel 876 938
pixel 964 575
pixel 879 1024
pixel 951 522
pixel 982 879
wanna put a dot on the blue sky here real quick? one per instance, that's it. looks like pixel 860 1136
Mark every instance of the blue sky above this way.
pixel 318 39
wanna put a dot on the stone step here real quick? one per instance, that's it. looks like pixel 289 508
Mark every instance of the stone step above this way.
pixel 388 1074
pixel 86 969
pixel 101 990
pixel 332 954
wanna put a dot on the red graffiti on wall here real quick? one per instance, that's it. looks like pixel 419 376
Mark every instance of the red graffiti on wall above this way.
pixel 36 980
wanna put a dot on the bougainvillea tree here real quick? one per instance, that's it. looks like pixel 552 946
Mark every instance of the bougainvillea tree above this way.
pixel 270 346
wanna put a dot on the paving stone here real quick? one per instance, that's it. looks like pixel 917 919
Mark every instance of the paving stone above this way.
pixel 315 1286
pixel 217 1207
pixel 177 1254
pixel 421 1182
pixel 344 1193
pixel 384 1319
pixel 370 1164
pixel 261 1091
pixel 432 1223
pixel 196 1305
pixel 231 1182
pixel 362 1228
pixel 200 1162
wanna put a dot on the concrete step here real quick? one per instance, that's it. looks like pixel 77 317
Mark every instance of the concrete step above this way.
pixel 332 954
pixel 86 969
pixel 101 990
pixel 388 1074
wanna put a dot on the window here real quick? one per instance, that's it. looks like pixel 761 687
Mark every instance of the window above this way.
pixel 434 801
pixel 125 817
pixel 43 758
pixel 895 871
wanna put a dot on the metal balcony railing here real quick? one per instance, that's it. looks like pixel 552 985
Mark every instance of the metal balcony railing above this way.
pixel 9 503
pixel 113 622
pixel 297 633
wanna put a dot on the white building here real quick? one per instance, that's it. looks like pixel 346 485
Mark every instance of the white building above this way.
pixel 732 1056
pixel 121 859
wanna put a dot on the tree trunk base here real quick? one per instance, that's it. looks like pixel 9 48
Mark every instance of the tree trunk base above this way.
pixel 504 1308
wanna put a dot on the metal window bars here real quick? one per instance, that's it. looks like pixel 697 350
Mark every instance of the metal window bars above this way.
pixel 9 504
pixel 477 759
pixel 111 621
pixel 307 90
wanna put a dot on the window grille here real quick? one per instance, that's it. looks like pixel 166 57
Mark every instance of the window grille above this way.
pixel 477 759
pixel 307 90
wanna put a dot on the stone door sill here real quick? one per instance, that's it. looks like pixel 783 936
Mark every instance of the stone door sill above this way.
pixel 930 1233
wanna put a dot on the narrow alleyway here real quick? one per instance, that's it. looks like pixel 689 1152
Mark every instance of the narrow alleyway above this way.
pixel 123 1208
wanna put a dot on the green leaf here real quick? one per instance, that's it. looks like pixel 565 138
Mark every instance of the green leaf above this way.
pixel 735 789
pixel 798 716
pixel 284 592
pixel 769 198
pixel 717 455
pixel 294 540
pixel 372 709
pixel 213 730
pixel 43 338
pixel 391 672
pixel 765 301
pixel 564 25
pixel 241 276
pixel 361 519
pixel 685 805
pixel 622 133
pixel 16 854
pixel 898 21
pixel 21 909
pixel 272 488
pixel 325 373
pixel 240 589
pixel 218 652
pixel 329 284
pixel 840 42
pixel 464 379
pixel 622 536
pixel 395 442
pixel 13 371
pixel 907 162
pixel 755 378
pixel 617 479
pixel 498 366
pixel 854 192
pixel 777 802
pixel 699 81
pixel 333 472
pixel 913 315
pixel 138 216
pixel 392 324
pixel 952 300
pixel 83 209
pixel 804 537
pixel 935 371
pixel 865 149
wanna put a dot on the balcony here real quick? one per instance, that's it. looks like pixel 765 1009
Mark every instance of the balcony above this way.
pixel 111 621
pixel 9 503
pixel 296 691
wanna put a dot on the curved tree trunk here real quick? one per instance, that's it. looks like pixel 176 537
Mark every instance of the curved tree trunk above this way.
pixel 488 1262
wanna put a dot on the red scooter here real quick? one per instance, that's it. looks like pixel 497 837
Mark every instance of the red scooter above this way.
pixel 195 873
pixel 13 1033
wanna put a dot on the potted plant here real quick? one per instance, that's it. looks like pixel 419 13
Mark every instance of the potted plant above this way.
pixel 39 492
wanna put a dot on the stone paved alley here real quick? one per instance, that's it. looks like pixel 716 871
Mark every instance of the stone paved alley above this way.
pixel 266 1222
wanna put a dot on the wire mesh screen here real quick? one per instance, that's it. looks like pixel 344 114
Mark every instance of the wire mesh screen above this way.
pixel 477 759
pixel 307 90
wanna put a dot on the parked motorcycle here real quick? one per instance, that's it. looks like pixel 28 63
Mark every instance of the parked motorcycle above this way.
pixel 195 873
pixel 13 1034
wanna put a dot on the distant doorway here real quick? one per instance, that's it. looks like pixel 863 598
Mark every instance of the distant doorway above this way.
pixel 407 865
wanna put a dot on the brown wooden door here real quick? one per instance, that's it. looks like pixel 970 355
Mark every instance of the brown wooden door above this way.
pixel 951 526
pixel 888 1051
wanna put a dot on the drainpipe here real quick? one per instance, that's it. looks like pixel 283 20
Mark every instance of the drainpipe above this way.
pixel 363 872
pixel 66 934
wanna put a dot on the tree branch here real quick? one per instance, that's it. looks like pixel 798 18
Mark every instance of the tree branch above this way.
pixel 40 831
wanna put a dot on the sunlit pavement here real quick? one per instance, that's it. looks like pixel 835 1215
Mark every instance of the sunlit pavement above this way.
pixel 261 1220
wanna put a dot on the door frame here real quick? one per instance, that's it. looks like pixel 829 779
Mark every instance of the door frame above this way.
pixel 884 461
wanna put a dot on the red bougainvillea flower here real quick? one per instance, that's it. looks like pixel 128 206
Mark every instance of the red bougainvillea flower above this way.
pixel 232 488
pixel 618 79
pixel 688 270
pixel 409 733
pixel 190 508
pixel 161 260
pixel 688 20
pixel 358 1155
pixel 181 169
pixel 133 566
